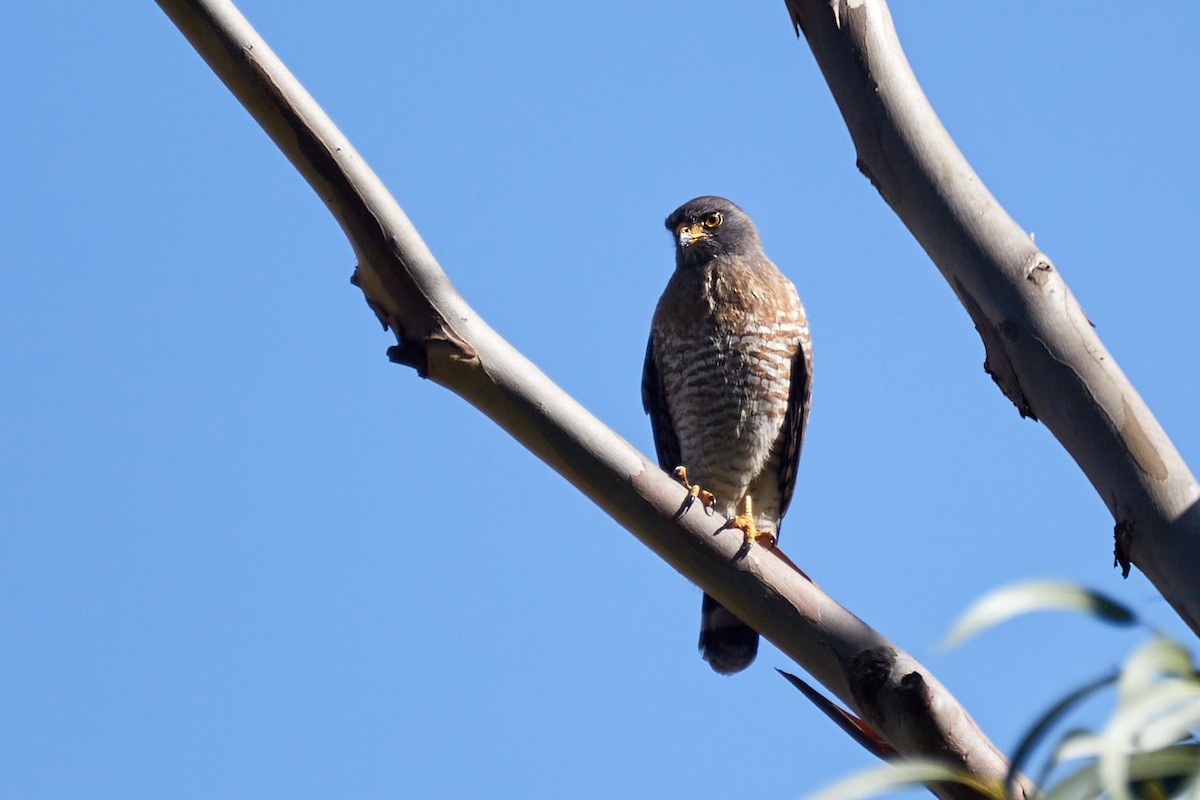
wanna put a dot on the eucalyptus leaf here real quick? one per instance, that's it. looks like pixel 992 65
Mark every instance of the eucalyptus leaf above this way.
pixel 900 775
pixel 1160 657
pixel 1038 595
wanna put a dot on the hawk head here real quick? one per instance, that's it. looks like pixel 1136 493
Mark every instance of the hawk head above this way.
pixel 708 227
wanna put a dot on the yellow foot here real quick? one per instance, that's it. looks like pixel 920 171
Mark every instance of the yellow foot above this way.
pixel 745 523
pixel 694 491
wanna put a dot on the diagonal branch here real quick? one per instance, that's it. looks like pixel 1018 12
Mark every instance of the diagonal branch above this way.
pixel 445 340
pixel 1042 351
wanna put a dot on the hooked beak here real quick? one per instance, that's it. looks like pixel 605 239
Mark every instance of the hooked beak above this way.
pixel 688 234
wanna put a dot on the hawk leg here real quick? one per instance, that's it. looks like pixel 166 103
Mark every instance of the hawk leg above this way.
pixel 745 523
pixel 705 497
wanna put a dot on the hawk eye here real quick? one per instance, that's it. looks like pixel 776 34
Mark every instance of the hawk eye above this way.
pixel 713 220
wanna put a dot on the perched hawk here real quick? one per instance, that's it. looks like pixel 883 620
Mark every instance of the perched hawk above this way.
pixel 727 383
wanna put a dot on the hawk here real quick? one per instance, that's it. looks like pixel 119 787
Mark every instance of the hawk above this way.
pixel 727 383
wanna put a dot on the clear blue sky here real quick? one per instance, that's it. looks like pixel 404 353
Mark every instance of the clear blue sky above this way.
pixel 242 555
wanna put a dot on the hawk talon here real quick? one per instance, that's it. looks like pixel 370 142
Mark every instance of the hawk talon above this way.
pixel 745 523
pixel 694 491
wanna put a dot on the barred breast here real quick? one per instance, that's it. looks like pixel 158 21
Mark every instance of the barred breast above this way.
pixel 725 340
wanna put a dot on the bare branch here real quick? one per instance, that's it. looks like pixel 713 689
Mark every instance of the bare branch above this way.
pixel 1041 349
pixel 444 339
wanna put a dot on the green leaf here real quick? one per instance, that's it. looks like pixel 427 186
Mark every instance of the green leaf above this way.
pixel 1044 723
pixel 1079 743
pixel 1082 784
pixel 1121 736
pixel 1158 658
pixel 1169 762
pixel 1168 765
pixel 901 775
pixel 1021 598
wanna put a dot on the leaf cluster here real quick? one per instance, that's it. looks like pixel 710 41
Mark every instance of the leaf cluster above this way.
pixel 1147 749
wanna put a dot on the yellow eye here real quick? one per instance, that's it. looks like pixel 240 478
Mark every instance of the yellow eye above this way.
pixel 713 220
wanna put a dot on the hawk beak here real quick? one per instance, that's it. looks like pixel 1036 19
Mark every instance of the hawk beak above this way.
pixel 686 234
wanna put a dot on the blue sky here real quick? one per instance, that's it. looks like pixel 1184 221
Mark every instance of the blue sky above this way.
pixel 242 555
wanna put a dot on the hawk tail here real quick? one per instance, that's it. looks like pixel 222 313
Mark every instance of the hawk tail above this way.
pixel 726 643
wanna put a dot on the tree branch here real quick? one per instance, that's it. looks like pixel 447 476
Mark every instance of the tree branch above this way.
pixel 1041 349
pixel 446 341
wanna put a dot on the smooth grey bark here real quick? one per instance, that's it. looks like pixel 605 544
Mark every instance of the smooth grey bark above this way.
pixel 1041 349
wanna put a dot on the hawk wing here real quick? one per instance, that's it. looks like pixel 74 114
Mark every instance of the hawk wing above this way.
pixel 654 401
pixel 795 420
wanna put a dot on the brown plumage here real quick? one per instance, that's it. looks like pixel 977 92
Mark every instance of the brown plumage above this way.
pixel 727 384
